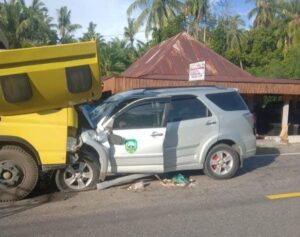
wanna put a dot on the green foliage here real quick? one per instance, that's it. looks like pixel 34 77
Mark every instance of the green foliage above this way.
pixel 197 12
pixel 218 40
pixel 173 27
pixel 24 25
pixel 91 34
pixel 264 12
pixel 286 68
pixel 262 47
pixel 155 13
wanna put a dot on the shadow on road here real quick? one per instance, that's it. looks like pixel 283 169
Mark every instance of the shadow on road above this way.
pixel 45 192
pixel 256 162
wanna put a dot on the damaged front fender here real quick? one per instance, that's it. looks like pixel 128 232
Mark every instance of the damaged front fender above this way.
pixel 88 139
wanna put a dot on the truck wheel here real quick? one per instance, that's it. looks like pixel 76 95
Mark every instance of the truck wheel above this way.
pixel 18 173
pixel 82 175
pixel 222 162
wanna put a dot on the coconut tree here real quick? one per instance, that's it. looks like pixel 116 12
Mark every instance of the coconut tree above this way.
pixel 291 14
pixel 234 34
pixel 36 27
pixel 114 57
pixel 197 11
pixel 92 34
pixel 11 14
pixel 64 26
pixel 154 13
pixel 130 31
pixel 25 26
pixel 264 12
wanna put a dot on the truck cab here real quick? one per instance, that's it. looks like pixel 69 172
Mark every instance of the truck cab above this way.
pixel 39 88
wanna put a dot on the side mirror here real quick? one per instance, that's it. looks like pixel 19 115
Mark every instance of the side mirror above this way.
pixel 108 125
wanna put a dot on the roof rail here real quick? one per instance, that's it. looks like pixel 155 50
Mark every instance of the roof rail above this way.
pixel 179 87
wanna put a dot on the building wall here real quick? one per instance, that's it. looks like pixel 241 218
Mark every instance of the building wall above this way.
pixel 118 84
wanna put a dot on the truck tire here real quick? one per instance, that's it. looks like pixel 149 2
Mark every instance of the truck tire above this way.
pixel 222 162
pixel 81 176
pixel 18 173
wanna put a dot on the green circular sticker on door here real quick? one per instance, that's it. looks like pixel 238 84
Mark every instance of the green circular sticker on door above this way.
pixel 131 145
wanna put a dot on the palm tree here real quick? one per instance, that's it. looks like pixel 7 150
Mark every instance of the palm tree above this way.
pixel 91 34
pixel 11 14
pixel 130 31
pixel 65 27
pixel 26 26
pixel 155 13
pixel 198 11
pixel 114 57
pixel 36 28
pixel 234 34
pixel 291 15
pixel 264 12
pixel 141 48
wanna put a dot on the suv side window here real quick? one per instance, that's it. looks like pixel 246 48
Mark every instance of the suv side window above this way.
pixel 228 101
pixel 186 109
pixel 123 104
pixel 148 115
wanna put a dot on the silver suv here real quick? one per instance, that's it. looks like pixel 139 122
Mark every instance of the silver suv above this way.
pixel 170 129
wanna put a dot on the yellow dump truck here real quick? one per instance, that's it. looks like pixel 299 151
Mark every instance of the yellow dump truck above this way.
pixel 38 123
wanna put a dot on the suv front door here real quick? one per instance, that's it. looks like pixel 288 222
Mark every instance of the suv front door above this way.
pixel 142 125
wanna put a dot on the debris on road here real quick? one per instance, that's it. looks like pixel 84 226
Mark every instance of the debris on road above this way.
pixel 122 180
pixel 138 186
pixel 178 180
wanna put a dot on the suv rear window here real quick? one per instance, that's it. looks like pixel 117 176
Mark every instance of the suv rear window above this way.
pixel 228 101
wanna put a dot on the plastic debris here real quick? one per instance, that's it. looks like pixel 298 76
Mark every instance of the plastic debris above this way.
pixel 178 180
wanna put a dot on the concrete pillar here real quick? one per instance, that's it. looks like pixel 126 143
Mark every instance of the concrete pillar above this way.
pixel 285 119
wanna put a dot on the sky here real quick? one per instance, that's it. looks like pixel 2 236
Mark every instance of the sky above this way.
pixel 111 17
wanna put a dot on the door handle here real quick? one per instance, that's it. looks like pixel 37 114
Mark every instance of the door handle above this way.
pixel 211 122
pixel 156 134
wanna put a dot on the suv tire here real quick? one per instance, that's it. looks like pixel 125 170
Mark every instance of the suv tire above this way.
pixel 222 162
pixel 18 173
pixel 80 176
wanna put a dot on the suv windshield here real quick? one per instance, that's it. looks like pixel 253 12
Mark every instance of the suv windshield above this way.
pixel 94 113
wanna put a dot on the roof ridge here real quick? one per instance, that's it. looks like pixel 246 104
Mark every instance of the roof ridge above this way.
pixel 167 50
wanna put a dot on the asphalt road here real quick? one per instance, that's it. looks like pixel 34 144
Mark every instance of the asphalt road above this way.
pixel 236 207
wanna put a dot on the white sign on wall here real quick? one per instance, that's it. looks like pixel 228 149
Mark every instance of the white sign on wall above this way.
pixel 197 71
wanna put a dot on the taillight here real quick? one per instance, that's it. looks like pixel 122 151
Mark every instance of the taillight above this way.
pixel 251 118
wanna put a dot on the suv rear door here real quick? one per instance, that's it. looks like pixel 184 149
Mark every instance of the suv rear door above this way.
pixel 190 125
pixel 142 125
